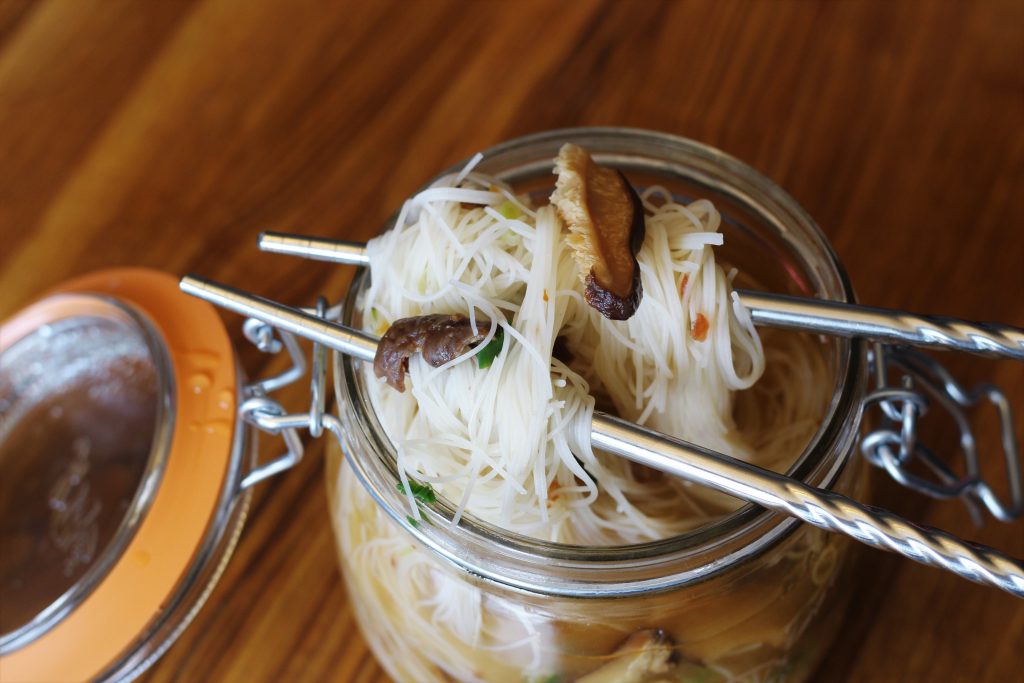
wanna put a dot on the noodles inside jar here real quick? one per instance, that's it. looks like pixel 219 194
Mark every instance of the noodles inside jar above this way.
pixel 503 433
pixel 510 444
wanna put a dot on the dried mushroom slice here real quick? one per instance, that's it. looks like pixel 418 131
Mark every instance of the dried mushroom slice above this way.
pixel 606 230
pixel 645 657
pixel 440 338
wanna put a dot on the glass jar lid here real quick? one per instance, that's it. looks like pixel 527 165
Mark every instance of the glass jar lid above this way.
pixel 85 399
pixel 120 461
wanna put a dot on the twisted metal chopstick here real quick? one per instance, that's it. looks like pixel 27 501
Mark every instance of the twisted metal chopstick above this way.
pixel 879 324
pixel 824 509
pixel 772 310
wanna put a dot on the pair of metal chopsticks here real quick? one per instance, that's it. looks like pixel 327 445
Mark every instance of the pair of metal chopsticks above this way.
pixel 824 509
pixel 769 310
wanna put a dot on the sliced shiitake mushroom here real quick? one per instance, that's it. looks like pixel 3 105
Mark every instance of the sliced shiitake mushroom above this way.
pixel 605 218
pixel 440 338
pixel 647 656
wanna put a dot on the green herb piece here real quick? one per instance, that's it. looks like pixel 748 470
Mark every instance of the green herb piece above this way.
pixel 491 351
pixel 509 210
pixel 421 492
pixel 412 521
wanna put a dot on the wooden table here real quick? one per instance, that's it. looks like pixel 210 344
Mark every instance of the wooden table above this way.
pixel 168 134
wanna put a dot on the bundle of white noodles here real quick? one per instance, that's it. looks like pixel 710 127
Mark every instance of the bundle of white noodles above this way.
pixel 510 443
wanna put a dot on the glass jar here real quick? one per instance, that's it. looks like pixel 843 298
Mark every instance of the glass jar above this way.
pixel 754 596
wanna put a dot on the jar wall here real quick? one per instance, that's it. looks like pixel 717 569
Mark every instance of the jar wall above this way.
pixel 769 619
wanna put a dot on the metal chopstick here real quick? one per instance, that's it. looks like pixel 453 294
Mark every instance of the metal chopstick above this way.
pixel 824 509
pixel 769 310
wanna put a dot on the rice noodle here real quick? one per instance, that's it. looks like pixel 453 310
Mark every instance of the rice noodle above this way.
pixel 510 444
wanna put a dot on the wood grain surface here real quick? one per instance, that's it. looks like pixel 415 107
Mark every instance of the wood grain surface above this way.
pixel 168 134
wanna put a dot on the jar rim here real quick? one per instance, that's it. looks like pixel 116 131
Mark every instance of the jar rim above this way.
pixel 769 527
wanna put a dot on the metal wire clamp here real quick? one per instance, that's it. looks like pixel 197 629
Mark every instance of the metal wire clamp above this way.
pixel 894 446
pixel 268 415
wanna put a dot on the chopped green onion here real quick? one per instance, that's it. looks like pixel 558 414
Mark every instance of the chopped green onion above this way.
pixel 491 351
pixel 414 522
pixel 422 492
pixel 509 210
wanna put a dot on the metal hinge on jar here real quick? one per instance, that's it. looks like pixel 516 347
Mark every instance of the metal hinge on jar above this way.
pixel 894 446
pixel 267 414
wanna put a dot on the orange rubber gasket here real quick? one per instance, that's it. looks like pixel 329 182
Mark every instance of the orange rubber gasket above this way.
pixel 96 633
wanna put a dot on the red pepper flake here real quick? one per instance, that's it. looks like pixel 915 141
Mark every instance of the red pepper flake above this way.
pixel 553 492
pixel 682 284
pixel 545 296
pixel 699 330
